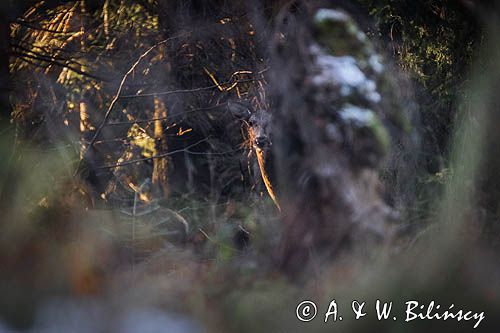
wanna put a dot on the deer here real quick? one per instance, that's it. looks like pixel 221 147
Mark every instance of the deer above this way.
pixel 257 127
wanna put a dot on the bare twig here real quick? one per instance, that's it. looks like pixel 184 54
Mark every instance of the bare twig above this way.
pixel 37 26
pixel 216 242
pixel 52 61
pixel 181 91
pixel 152 157
pixel 173 115
pixel 119 91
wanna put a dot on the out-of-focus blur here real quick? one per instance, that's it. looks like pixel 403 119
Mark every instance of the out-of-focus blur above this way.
pixel 207 166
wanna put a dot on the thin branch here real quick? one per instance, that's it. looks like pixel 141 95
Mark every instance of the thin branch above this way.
pixel 152 157
pixel 45 56
pixel 120 88
pixel 182 91
pixel 33 26
pixel 216 242
pixel 24 57
pixel 213 153
pixel 173 115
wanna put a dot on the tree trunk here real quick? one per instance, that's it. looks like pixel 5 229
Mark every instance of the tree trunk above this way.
pixel 160 165
pixel 327 154
pixel 85 123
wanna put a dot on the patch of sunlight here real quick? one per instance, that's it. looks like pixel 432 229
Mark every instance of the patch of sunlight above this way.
pixel 139 138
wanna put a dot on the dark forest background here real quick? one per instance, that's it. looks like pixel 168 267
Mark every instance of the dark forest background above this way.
pixel 191 166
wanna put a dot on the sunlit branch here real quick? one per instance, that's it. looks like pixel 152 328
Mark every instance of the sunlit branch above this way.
pixel 54 62
pixel 33 26
pixel 120 88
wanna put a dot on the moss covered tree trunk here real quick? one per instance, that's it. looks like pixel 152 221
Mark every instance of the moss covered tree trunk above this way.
pixel 332 131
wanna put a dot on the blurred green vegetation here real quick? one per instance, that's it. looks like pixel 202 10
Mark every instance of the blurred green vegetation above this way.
pixel 211 261
pixel 435 42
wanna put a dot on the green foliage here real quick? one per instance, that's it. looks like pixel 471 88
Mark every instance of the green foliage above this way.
pixel 434 41
pixel 77 53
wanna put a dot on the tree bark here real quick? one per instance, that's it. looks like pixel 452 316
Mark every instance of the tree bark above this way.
pixel 160 165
